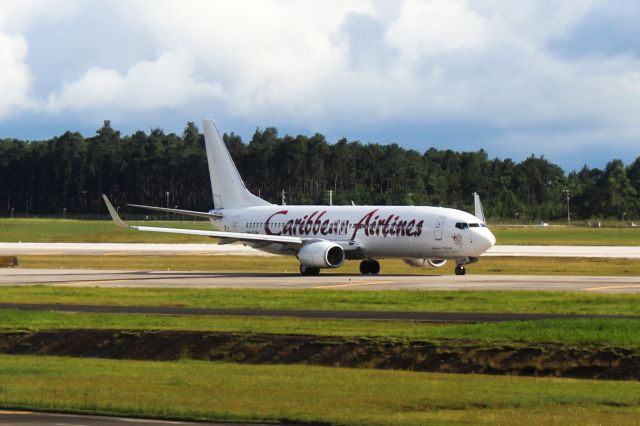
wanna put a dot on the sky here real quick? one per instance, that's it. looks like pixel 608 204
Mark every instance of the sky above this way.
pixel 515 78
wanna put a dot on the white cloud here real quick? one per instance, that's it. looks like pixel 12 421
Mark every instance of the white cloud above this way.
pixel 270 56
pixel 479 62
pixel 532 23
pixel 169 81
pixel 15 79
pixel 17 16
pixel 428 27
pixel 456 60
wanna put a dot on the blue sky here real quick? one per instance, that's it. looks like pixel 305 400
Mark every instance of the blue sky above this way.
pixel 559 79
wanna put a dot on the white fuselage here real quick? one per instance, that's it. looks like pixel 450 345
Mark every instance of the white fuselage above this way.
pixel 368 231
pixel 326 236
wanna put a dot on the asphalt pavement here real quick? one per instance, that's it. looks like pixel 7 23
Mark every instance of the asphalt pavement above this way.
pixel 133 249
pixel 17 417
pixel 325 281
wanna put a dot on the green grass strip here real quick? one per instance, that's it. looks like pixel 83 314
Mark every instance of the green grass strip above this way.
pixel 300 299
pixel 61 230
pixel 569 236
pixel 223 391
pixel 93 231
pixel 598 332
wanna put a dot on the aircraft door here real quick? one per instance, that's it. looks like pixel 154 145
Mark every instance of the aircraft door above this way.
pixel 437 228
pixel 236 220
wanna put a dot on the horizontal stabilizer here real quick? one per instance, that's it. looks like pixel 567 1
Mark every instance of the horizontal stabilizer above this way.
pixel 178 211
pixel 237 236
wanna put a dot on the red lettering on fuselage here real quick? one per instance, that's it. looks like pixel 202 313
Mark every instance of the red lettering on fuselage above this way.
pixel 371 224
pixel 374 225
pixel 266 224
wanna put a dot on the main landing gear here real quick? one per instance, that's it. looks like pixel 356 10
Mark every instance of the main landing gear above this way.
pixel 369 267
pixel 460 270
pixel 305 270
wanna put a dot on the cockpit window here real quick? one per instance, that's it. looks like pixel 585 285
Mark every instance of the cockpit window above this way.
pixel 463 225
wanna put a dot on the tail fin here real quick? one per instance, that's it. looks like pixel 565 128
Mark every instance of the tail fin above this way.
pixel 479 212
pixel 226 184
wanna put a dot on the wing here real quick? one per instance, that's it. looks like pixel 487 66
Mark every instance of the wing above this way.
pixel 296 242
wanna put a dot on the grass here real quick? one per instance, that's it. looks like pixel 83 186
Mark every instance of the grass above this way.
pixel 487 265
pixel 232 392
pixel 568 236
pixel 100 231
pixel 596 332
pixel 92 231
pixel 615 332
pixel 308 299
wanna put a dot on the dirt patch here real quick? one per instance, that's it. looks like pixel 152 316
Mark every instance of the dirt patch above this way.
pixel 448 356
pixel 8 261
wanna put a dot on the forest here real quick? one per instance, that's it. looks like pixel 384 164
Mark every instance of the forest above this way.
pixel 64 176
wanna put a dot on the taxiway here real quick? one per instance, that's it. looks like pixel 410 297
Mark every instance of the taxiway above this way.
pixel 16 417
pixel 129 249
pixel 116 278
pixel 437 317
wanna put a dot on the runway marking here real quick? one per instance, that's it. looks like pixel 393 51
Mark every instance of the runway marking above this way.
pixel 355 284
pixel 79 283
pixel 49 253
pixel 612 287
pixel 116 253
pixel 16 412
pixel 150 421
pixel 200 253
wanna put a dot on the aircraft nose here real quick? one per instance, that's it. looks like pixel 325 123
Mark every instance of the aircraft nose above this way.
pixel 485 240
pixel 492 239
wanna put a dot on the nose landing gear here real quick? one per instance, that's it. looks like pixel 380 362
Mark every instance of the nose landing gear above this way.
pixel 460 270
pixel 461 261
pixel 369 267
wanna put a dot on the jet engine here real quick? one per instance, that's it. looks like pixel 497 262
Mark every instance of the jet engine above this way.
pixel 425 263
pixel 321 254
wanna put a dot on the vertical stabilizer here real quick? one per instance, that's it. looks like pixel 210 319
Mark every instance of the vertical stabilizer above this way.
pixel 479 213
pixel 226 184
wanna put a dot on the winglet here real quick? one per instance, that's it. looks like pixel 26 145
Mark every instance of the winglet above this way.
pixel 479 212
pixel 114 214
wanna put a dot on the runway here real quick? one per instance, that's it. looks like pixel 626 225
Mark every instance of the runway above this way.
pixel 164 279
pixel 128 249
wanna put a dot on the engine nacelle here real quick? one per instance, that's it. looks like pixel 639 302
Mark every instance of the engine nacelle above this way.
pixel 321 254
pixel 425 263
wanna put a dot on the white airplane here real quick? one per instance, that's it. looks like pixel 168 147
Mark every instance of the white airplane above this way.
pixel 325 236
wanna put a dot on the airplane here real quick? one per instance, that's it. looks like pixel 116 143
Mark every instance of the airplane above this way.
pixel 324 236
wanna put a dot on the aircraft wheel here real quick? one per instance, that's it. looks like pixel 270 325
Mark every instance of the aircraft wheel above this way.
pixel 460 270
pixel 305 270
pixel 369 267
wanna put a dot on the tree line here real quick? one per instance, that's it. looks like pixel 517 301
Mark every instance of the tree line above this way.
pixel 67 174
